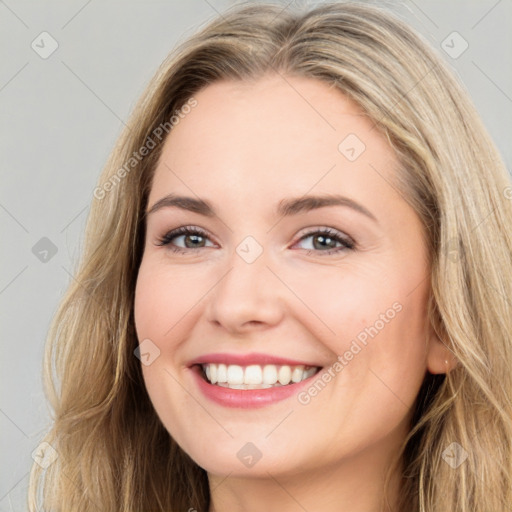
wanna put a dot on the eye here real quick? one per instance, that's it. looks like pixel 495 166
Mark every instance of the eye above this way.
pixel 192 237
pixel 328 241
pixel 325 240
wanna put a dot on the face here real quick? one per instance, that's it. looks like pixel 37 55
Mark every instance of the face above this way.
pixel 269 283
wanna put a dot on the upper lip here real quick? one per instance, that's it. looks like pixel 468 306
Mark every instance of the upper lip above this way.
pixel 248 359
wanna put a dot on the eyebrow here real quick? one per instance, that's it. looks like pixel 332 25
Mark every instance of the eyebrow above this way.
pixel 285 207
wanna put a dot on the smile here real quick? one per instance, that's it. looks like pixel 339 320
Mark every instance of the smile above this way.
pixel 255 376
pixel 252 379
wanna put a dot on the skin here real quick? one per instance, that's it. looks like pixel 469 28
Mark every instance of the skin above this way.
pixel 243 148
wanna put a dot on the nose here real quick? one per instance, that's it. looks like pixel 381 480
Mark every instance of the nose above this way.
pixel 248 296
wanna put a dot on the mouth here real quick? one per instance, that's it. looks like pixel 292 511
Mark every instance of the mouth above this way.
pixel 254 376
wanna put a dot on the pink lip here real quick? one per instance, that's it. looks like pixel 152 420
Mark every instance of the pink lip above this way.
pixel 246 398
pixel 247 359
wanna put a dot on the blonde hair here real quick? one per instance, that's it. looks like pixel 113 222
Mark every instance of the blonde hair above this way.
pixel 113 452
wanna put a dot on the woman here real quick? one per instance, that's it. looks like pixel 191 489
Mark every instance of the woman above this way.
pixel 294 292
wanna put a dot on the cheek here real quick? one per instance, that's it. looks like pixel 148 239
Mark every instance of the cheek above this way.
pixel 343 303
pixel 373 323
pixel 164 299
pixel 390 344
pixel 160 310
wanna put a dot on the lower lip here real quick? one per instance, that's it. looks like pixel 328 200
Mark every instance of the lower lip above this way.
pixel 246 398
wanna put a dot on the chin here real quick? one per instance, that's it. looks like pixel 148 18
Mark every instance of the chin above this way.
pixel 242 461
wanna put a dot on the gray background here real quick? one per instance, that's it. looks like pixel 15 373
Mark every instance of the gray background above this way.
pixel 60 117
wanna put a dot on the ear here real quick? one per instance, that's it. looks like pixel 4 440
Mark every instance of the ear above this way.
pixel 440 358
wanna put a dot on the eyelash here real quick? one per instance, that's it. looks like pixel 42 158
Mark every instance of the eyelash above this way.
pixel 347 243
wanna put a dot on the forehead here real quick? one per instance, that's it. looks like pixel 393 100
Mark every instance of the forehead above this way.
pixel 274 137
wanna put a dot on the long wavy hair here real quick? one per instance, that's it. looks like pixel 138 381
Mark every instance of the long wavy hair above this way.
pixel 113 453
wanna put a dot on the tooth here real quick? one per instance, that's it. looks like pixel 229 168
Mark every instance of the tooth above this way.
pixel 270 374
pixel 309 373
pixel 255 376
pixel 285 374
pixel 222 373
pixel 297 373
pixel 252 374
pixel 213 373
pixel 235 374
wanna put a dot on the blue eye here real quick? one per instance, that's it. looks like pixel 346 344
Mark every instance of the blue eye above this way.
pixel 195 236
pixel 324 241
pixel 328 239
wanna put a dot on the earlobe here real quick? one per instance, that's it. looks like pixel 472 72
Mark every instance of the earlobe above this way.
pixel 440 358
